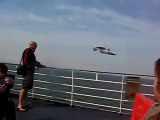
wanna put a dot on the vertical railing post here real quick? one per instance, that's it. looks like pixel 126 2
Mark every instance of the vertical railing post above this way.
pixel 72 88
pixel 121 100
pixel 96 75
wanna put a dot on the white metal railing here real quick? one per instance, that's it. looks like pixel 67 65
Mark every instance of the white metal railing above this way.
pixel 83 95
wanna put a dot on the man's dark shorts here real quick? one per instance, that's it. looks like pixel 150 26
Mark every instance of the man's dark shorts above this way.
pixel 28 79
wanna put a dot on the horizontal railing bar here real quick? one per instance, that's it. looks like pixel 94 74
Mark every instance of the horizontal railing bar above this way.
pixel 12 71
pixel 126 109
pixel 53 90
pixel 18 84
pixel 19 78
pixel 148 94
pixel 96 104
pixel 54 75
pixel 85 79
pixel 132 82
pixel 96 88
pixel 43 88
pixel 42 81
pixel 68 85
pixel 42 74
pixel 62 84
pixel 113 111
pixel 146 85
pixel 125 100
pixel 52 97
pixel 43 95
pixel 87 95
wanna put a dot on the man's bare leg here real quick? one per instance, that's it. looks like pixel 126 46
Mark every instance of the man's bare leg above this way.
pixel 22 98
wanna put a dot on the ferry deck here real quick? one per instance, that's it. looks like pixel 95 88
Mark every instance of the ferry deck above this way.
pixel 45 110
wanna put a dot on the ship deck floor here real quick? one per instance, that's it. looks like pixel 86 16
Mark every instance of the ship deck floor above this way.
pixel 46 110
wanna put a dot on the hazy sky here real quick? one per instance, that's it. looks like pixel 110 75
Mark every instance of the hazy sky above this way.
pixel 67 30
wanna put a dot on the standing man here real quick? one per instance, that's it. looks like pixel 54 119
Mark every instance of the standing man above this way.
pixel 30 62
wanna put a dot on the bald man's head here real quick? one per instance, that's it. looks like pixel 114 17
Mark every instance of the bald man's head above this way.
pixel 32 45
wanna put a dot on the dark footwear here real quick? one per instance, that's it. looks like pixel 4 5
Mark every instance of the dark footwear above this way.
pixel 21 109
pixel 28 106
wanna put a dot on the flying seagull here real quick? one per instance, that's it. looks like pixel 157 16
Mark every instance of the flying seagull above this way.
pixel 103 50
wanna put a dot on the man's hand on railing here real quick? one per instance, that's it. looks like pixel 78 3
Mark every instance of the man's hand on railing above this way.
pixel 42 66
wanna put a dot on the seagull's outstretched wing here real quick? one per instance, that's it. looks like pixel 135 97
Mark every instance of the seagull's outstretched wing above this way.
pixel 99 48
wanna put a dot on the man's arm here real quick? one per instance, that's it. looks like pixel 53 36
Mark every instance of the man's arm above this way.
pixel 38 64
pixel 26 57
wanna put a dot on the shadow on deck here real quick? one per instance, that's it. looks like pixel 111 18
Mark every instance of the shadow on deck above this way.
pixel 45 110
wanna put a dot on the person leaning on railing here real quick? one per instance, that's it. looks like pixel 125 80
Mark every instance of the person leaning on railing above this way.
pixel 7 106
pixel 30 62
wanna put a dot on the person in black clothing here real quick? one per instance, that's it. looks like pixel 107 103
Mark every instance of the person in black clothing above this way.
pixel 7 106
pixel 30 62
